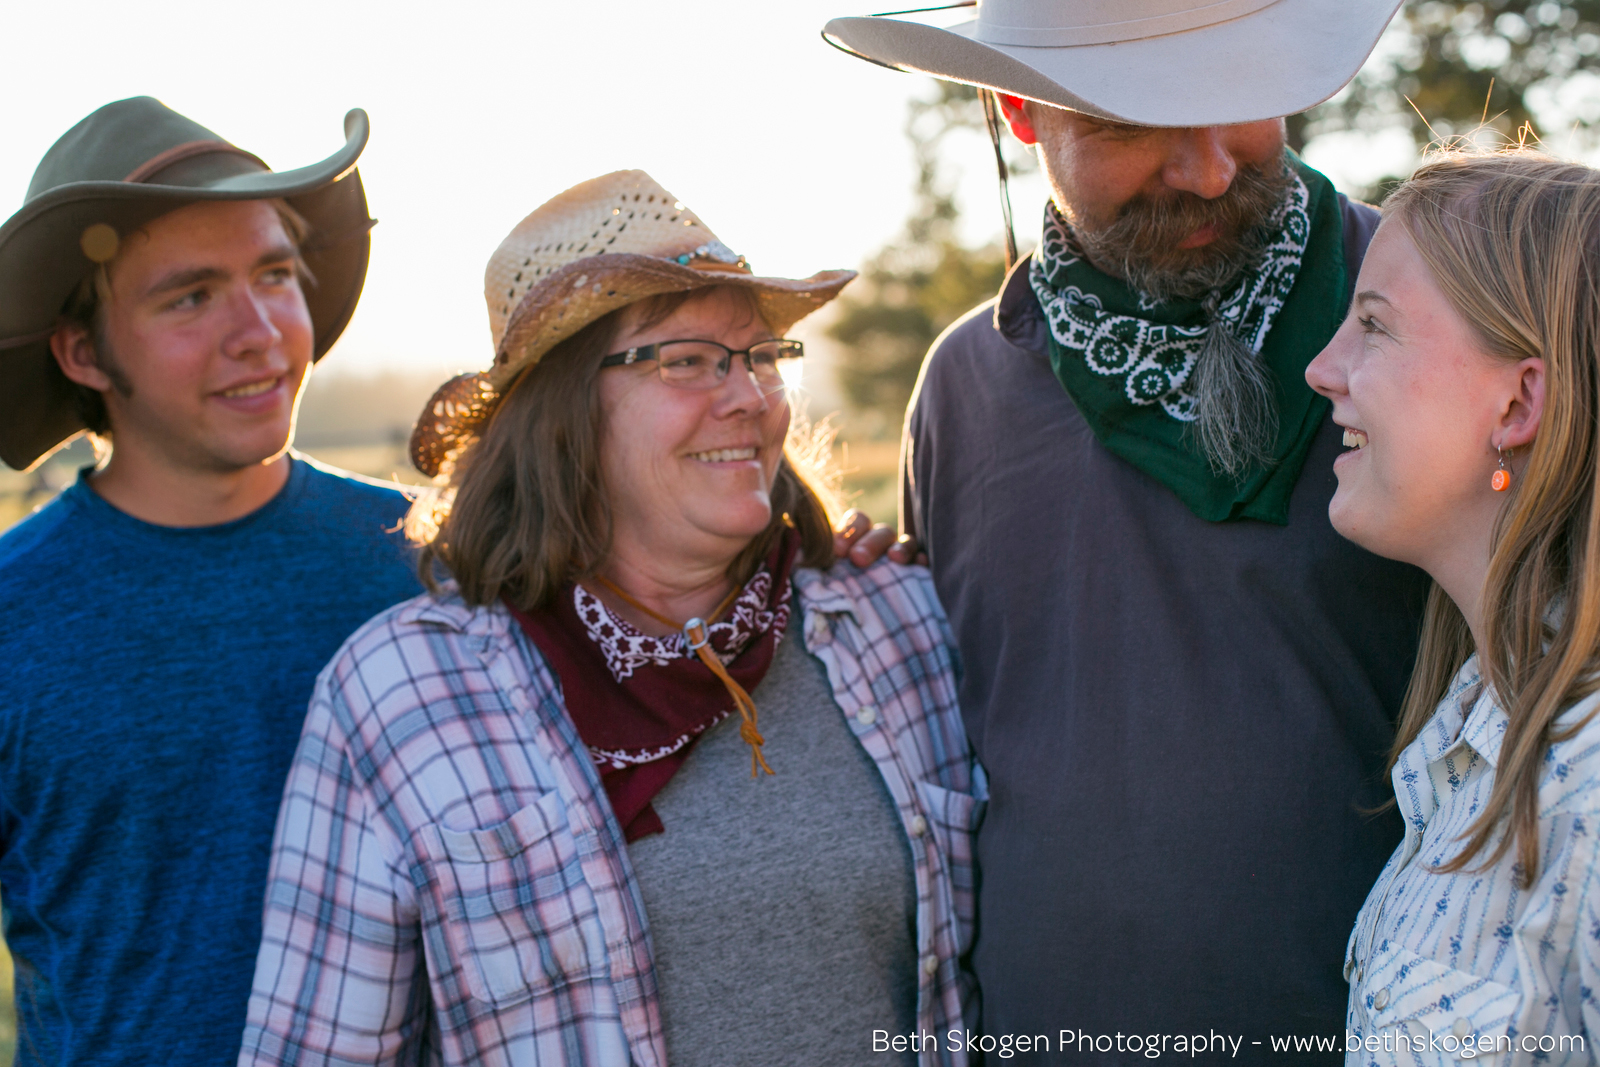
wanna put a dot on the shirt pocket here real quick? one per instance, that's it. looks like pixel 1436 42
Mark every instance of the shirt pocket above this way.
pixel 953 820
pixel 1446 1016
pixel 511 904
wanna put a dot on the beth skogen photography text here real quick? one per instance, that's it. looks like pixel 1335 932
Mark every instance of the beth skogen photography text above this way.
pixel 647 535
pixel 1213 1045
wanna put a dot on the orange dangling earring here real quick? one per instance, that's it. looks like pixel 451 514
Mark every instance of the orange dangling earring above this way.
pixel 1502 477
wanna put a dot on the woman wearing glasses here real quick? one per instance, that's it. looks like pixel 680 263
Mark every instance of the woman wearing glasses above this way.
pixel 646 777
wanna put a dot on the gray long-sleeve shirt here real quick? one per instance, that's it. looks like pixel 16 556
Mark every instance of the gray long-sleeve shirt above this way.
pixel 1182 721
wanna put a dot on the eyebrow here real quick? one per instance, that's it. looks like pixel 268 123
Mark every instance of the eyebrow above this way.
pixel 182 279
pixel 1371 296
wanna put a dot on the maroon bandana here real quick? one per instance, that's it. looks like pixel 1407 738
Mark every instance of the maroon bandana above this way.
pixel 641 702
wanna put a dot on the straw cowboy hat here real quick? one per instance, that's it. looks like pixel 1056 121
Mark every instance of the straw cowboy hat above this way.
pixel 599 246
pixel 1148 62
pixel 122 167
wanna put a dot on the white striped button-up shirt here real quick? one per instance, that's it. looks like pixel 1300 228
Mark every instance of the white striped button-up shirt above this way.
pixel 1467 966
pixel 448 882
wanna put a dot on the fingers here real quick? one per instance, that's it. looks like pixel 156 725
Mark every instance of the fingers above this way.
pixel 852 524
pixel 870 546
pixel 863 543
pixel 904 550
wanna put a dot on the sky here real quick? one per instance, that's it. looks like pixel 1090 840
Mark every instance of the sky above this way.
pixel 791 151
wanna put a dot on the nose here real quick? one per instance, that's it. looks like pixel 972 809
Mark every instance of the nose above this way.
pixel 1328 373
pixel 1201 162
pixel 251 329
pixel 740 393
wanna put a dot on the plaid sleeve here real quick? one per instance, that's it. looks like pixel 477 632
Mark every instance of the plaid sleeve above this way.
pixel 339 978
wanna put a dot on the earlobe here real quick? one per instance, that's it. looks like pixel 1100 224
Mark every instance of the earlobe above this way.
pixel 74 353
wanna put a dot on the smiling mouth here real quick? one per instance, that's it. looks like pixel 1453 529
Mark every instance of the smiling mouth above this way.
pixel 724 455
pixel 252 389
pixel 1354 439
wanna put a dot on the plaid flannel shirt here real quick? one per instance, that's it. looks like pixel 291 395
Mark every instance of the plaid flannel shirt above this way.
pixel 448 882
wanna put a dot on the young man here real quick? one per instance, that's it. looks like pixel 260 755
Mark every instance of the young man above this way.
pixel 1183 690
pixel 166 616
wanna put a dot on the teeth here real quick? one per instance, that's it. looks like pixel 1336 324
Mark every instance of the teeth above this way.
pixel 724 455
pixel 1354 439
pixel 251 390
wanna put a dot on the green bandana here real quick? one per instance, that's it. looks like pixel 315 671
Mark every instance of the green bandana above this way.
pixel 1126 362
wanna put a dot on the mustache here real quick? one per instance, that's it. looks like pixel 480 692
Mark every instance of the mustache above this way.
pixel 1141 244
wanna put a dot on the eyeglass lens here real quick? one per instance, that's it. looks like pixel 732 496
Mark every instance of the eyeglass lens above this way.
pixel 703 365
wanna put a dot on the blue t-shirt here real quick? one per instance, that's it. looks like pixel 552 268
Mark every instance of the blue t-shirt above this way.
pixel 153 687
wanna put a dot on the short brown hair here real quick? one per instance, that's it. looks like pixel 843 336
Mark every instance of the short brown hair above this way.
pixel 525 510
pixel 85 308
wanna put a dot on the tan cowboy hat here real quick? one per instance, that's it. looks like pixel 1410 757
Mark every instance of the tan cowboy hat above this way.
pixel 599 246
pixel 1147 62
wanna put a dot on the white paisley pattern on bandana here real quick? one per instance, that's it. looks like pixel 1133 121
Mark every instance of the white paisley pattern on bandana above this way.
pixel 1155 359
pixel 627 649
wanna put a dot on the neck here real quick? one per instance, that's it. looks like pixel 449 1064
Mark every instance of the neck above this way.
pixel 678 588
pixel 1461 568
pixel 165 494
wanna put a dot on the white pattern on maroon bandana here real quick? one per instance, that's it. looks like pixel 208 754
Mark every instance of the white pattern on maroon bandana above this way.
pixel 616 759
pixel 626 649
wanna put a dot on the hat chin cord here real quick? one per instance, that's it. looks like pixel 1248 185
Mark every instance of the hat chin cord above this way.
pixel 991 119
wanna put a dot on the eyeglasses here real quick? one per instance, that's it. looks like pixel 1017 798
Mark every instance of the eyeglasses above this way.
pixel 704 364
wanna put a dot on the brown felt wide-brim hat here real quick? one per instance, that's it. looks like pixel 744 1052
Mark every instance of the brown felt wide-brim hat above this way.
pixel 122 167
pixel 601 245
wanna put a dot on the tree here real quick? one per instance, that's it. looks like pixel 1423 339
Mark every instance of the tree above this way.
pixel 925 279
pixel 1463 64
pixel 1448 67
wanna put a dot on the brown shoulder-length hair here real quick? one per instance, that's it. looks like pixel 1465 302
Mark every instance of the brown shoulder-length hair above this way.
pixel 525 510
pixel 1513 240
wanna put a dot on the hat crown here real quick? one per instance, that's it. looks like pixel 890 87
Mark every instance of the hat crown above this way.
pixel 1057 23
pixel 114 142
pixel 626 212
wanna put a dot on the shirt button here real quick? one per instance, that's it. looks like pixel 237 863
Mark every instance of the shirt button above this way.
pixel 919 826
pixel 866 715
pixel 1462 1028
pixel 930 964
pixel 1381 1001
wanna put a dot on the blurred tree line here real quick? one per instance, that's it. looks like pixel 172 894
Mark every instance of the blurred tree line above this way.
pixel 1445 69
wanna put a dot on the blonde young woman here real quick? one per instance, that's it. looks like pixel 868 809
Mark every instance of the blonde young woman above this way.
pixel 1468 379
pixel 646 777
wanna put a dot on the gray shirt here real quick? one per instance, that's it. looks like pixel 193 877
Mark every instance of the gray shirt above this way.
pixel 1183 722
pixel 781 909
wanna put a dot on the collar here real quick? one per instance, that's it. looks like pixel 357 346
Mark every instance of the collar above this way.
pixel 1017 314
pixel 1468 717
pixel 830 592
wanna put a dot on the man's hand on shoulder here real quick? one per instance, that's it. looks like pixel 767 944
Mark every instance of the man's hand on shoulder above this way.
pixel 864 543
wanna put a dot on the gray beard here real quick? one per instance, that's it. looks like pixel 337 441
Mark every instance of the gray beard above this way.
pixel 1236 411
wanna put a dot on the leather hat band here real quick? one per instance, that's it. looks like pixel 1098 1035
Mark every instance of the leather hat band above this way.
pixel 159 162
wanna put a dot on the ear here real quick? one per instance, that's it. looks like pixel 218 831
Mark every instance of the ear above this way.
pixel 1519 422
pixel 1014 110
pixel 73 349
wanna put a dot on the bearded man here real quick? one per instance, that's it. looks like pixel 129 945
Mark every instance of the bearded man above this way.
pixel 1183 686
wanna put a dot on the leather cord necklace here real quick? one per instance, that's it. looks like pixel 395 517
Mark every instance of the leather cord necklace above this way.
pixel 697 634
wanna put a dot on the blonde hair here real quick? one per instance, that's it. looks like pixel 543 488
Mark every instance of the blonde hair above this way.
pixel 525 510
pixel 1512 239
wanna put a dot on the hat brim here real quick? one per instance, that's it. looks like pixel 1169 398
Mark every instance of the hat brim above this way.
pixel 41 264
pixel 570 299
pixel 1279 60
pixel 581 292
